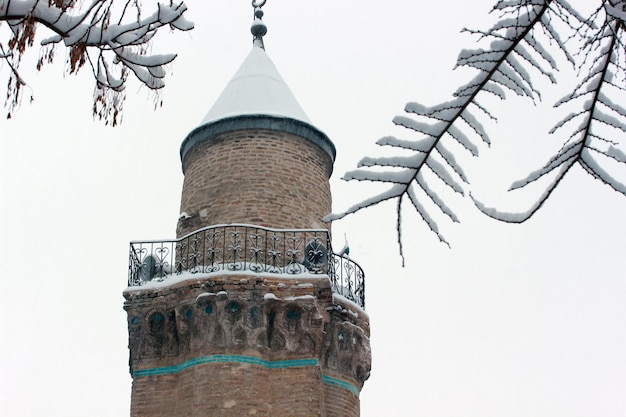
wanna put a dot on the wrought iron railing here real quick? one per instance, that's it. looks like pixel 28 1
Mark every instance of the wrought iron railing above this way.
pixel 239 247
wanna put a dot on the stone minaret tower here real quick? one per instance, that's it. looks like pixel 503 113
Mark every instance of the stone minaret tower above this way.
pixel 249 312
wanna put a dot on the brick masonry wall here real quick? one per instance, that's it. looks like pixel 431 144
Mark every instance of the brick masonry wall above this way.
pixel 240 345
pixel 341 402
pixel 230 390
pixel 260 177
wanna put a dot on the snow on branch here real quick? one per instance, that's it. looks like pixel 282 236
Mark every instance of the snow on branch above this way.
pixel 509 63
pixel 112 36
pixel 597 137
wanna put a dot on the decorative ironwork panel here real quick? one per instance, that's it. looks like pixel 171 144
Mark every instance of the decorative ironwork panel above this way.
pixel 347 278
pixel 239 247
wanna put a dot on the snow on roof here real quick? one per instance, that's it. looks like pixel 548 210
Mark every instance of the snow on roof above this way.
pixel 256 89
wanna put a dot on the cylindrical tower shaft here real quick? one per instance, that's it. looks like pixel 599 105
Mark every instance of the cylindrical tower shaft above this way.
pixel 257 176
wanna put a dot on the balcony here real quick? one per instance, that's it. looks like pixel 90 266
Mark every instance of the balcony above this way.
pixel 240 247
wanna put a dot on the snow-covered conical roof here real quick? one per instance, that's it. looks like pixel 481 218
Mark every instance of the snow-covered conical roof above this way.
pixel 257 97
pixel 256 89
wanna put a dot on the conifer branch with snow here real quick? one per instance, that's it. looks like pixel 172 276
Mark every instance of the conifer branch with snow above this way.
pixel 520 51
pixel 112 36
pixel 596 136
pixel 509 64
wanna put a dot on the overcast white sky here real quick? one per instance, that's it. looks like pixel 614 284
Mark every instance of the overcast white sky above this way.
pixel 515 321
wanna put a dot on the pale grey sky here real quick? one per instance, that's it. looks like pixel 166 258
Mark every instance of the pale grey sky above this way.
pixel 514 321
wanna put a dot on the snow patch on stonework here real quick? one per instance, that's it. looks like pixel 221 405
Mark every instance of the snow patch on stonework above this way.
pixel 201 276
pixel 347 302
pixel 204 295
pixel 300 297
pixel 272 296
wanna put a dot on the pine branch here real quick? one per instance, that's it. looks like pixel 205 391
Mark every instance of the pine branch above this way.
pixel 506 65
pixel 584 145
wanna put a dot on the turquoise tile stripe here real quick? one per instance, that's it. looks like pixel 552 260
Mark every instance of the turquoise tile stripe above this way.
pixel 167 370
pixel 225 359
pixel 341 384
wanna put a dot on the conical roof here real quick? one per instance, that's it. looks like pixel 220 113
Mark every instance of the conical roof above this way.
pixel 256 89
pixel 257 97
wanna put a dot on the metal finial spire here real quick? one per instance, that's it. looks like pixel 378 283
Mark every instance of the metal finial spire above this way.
pixel 258 28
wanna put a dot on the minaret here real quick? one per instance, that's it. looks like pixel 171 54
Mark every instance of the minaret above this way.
pixel 249 312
